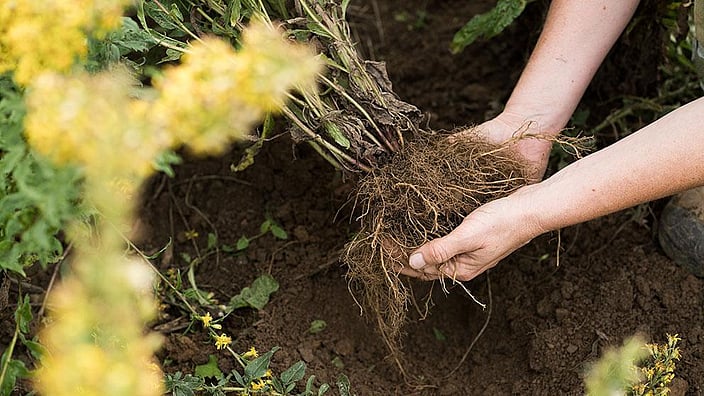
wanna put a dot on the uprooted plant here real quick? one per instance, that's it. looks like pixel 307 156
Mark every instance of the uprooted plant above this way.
pixel 416 185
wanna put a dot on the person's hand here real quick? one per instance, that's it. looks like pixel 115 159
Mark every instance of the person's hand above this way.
pixel 509 126
pixel 487 235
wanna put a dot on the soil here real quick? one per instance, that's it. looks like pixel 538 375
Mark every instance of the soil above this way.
pixel 553 307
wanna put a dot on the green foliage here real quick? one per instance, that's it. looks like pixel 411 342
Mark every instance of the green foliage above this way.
pixel 257 295
pixel 209 369
pixel 12 369
pixel 489 24
pixel 635 369
pixel 658 369
pixel 254 377
pixel 317 326
pixel 37 199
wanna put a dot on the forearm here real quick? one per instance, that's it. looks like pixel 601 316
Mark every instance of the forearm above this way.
pixel 575 40
pixel 659 160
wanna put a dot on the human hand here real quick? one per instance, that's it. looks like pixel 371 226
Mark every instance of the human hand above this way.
pixel 509 127
pixel 486 236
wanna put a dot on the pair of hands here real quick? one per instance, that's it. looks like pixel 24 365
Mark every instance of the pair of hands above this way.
pixel 494 230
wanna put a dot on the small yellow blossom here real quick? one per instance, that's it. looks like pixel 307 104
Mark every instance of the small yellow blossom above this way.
pixel 206 319
pixel 267 373
pixel 191 234
pixel 258 385
pixel 222 341
pixel 251 353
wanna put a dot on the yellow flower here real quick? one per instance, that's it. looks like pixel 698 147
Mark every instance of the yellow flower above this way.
pixel 206 319
pixel 258 385
pixel 267 373
pixel 222 341
pixel 216 94
pixel 251 353
pixel 61 124
pixel 191 234
pixel 50 35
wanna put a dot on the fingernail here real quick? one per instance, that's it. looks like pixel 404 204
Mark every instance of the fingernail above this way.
pixel 416 261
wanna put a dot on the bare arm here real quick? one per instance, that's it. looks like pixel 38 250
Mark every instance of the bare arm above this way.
pixel 575 40
pixel 661 159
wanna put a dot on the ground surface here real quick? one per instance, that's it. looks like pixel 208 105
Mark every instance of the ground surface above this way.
pixel 545 322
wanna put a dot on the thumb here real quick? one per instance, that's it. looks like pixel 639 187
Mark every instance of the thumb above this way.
pixel 437 251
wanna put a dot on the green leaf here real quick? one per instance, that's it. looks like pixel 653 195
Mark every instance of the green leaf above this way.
pixel 278 232
pixel 323 389
pixel 309 385
pixel 15 370
pixel 337 362
pixel 489 24
pixel 343 385
pixel 265 226
pixel 439 335
pixel 337 135
pixel 234 9
pixel 23 314
pixel 212 241
pixel 209 369
pixel 257 295
pixel 242 243
pixel 185 386
pixel 37 350
pixel 258 367
pixel 317 326
pixel 294 373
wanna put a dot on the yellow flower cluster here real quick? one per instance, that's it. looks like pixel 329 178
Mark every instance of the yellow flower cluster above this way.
pixel 96 341
pixel 91 121
pixel 222 341
pixel 216 94
pixel 50 35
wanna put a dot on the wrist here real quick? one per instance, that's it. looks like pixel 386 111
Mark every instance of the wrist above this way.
pixel 532 212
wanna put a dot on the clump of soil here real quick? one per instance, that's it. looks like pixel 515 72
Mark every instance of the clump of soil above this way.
pixel 423 193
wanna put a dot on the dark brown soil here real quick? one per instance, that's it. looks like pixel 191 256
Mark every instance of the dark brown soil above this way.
pixel 545 321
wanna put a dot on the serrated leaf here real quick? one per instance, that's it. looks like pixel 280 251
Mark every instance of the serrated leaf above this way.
pixel 259 366
pixel 209 369
pixel 294 373
pixel 257 295
pixel 489 24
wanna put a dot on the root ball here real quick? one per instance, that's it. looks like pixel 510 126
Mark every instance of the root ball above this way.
pixel 423 193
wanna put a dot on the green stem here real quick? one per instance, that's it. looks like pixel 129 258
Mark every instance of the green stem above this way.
pixel 11 350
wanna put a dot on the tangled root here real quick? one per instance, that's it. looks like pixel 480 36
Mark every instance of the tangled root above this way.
pixel 423 193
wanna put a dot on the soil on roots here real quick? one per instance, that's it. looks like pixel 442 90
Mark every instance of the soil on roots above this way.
pixel 423 193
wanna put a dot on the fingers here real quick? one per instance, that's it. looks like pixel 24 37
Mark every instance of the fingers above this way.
pixel 437 251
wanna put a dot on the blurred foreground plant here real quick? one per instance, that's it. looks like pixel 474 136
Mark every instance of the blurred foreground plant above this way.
pixel 635 369
pixel 112 131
